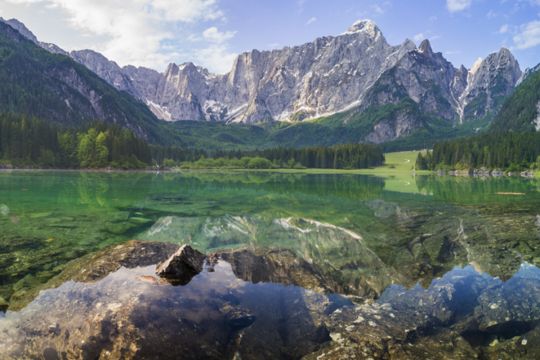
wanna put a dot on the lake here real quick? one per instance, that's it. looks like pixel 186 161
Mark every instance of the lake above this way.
pixel 372 240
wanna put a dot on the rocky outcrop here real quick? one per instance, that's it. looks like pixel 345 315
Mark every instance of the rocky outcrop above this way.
pixel 129 313
pixel 423 76
pixel 489 82
pixel 181 266
pixel 355 70
pixel 463 315
pixel 107 70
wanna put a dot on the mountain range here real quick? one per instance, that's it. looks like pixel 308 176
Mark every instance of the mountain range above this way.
pixel 354 87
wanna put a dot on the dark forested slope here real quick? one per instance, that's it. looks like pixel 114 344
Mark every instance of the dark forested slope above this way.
pixel 35 82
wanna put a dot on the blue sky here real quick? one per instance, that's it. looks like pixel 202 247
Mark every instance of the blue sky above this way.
pixel 211 32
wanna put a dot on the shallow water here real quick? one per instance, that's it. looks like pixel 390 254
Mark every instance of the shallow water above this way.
pixel 152 314
pixel 368 232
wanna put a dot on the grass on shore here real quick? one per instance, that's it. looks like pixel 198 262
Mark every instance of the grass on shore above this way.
pixel 396 164
pixel 397 171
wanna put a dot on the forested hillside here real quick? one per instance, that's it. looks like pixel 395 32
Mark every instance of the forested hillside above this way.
pixel 512 143
pixel 37 83
pixel 507 151
pixel 520 111
pixel 29 142
pixel 351 156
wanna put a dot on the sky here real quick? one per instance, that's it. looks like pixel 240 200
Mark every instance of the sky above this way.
pixel 210 33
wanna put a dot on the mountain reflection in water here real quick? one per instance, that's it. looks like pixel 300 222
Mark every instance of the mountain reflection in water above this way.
pixel 434 268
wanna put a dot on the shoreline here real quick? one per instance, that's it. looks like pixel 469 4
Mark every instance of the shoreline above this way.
pixel 379 172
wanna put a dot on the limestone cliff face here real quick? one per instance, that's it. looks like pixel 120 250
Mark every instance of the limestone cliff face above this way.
pixel 328 75
pixel 357 70
pixel 488 83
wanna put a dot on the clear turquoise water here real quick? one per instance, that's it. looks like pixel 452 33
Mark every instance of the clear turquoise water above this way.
pixel 357 225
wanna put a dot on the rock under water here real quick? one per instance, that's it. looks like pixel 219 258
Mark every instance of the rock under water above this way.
pixel 262 303
pixel 181 266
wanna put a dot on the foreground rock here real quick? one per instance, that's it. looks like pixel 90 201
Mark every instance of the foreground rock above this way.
pixel 260 304
pixel 182 266
pixel 278 266
pixel 131 313
pixel 464 315
pixel 96 266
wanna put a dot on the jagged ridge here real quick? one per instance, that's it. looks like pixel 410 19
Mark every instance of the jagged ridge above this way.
pixel 352 72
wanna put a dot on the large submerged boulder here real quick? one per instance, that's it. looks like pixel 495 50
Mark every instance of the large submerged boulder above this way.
pixel 265 303
pixel 131 313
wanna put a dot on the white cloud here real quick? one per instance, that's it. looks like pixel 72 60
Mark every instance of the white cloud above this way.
pixel 428 35
pixel 138 32
pixel 419 37
pixel 458 5
pixel 214 35
pixel 184 10
pixel 216 57
pixel 300 5
pixel 528 36
pixel 377 9
pixel 311 20
pixel 504 29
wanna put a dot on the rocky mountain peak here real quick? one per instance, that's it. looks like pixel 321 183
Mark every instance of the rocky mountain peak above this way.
pixel 366 27
pixel 89 55
pixel 408 45
pixel 488 82
pixel 503 60
pixel 185 69
pixel 425 47
pixel 26 33
pixel 21 28
pixel 505 52
pixel 171 69
pixel 357 70
pixel 191 68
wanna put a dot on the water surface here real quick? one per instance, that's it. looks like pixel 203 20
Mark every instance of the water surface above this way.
pixel 433 224
pixel 383 239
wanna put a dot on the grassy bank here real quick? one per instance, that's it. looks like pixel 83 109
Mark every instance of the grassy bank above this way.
pixel 396 164
pixel 397 171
